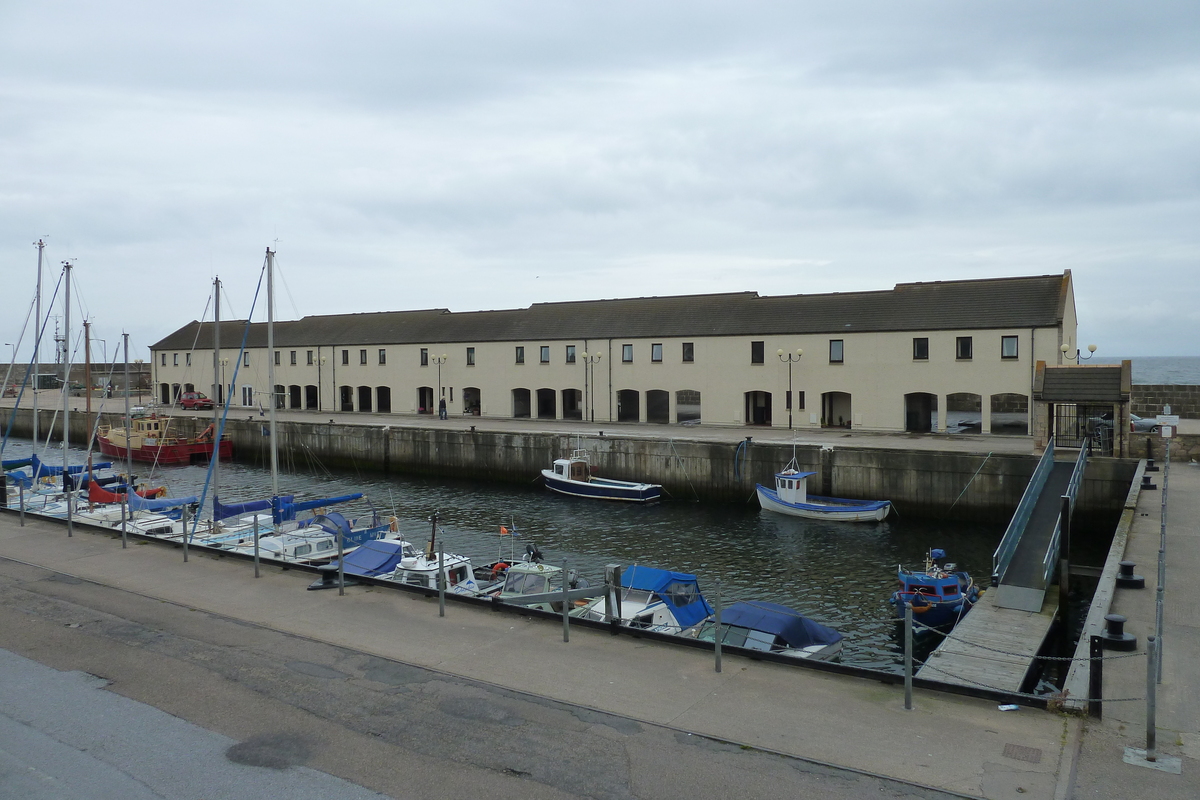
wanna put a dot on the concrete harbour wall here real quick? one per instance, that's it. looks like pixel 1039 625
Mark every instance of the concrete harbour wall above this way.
pixel 922 483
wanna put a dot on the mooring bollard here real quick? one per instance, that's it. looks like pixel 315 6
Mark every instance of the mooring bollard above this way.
pixel 717 631
pixel 1114 636
pixel 1096 677
pixel 1151 697
pixel 908 656
pixel 566 603
pixel 1126 579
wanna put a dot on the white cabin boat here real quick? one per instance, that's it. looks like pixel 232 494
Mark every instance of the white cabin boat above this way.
pixel 790 496
pixel 573 476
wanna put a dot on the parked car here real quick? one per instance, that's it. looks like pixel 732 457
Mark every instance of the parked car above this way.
pixel 195 401
pixel 1136 424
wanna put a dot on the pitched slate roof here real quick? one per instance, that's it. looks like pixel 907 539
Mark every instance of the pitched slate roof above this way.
pixel 1025 302
pixel 1099 383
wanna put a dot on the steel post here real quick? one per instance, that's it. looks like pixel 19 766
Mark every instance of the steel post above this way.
pixel 341 565
pixel 908 656
pixel 717 630
pixel 566 601
pixel 21 498
pixel 124 516
pixel 441 577
pixel 184 517
pixel 1152 655
pixel 256 545
pixel 1096 677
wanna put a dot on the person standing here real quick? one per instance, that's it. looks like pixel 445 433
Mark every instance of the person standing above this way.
pixel 442 408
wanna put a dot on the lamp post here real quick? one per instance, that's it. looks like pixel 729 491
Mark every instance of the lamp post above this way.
pixel 589 364
pixel 1066 351
pixel 789 359
pixel 439 360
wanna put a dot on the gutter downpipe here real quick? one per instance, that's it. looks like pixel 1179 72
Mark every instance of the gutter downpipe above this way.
pixel 610 396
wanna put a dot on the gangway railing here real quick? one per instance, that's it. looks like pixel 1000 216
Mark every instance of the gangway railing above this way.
pixel 1050 559
pixel 1016 527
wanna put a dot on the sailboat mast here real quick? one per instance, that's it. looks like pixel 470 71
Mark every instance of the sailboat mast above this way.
pixel 271 369
pixel 87 385
pixel 37 344
pixel 217 382
pixel 66 429
pixel 128 424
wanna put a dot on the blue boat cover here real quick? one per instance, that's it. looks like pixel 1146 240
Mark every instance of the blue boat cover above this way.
pixel 223 511
pixel 16 462
pixel 374 558
pixel 791 626
pixel 139 503
pixel 42 468
pixel 285 510
pixel 680 592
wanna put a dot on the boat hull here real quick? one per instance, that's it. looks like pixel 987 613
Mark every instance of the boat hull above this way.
pixel 182 453
pixel 603 489
pixel 826 508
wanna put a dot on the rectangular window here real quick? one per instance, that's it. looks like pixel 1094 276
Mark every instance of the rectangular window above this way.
pixel 757 352
pixel 470 356
pixel 656 353
pixel 1008 347
pixel 963 348
pixel 187 359
pixel 345 357
pixel 292 357
pixel 424 356
pixel 164 359
pixel 362 356
pixel 278 358
pixel 689 352
pixel 800 400
pixel 627 353
pixel 310 358
pixel 520 354
pixel 837 352
pixel 921 348
pixel 570 354
pixel 247 395
pixel 545 353
pixel 175 360
pixel 382 356
pixel 246 361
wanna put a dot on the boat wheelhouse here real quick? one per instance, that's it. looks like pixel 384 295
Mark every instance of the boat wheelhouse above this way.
pixel 573 476
pixel 653 599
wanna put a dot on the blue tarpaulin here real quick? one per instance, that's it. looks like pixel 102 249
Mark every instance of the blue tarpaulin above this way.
pixel 678 590
pixel 794 628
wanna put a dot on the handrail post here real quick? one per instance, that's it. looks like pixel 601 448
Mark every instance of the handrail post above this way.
pixel 908 655
pixel 717 632
pixel 566 601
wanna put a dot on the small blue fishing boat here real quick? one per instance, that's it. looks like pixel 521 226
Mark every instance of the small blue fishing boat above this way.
pixel 790 496
pixel 573 476
pixel 940 594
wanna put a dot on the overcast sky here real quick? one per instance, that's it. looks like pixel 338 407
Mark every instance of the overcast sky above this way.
pixel 477 155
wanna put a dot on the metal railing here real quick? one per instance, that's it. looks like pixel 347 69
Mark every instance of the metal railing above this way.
pixel 1050 559
pixel 1016 527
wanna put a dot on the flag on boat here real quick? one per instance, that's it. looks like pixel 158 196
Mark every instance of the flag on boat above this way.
pixel 505 531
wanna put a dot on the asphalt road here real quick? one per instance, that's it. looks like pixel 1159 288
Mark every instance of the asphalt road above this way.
pixel 254 712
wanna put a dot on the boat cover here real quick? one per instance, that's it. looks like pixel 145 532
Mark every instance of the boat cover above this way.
pixel 139 503
pixel 285 510
pixel 98 494
pixel 375 558
pixel 680 591
pixel 84 481
pixel 791 626
pixel 42 468
pixel 16 462
pixel 223 511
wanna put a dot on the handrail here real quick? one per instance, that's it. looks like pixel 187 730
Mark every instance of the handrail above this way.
pixel 1016 527
pixel 1051 556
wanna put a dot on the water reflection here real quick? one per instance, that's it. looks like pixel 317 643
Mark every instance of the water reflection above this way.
pixel 839 574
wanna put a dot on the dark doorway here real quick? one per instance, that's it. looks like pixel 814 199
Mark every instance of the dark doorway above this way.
pixel 347 393
pixel 425 400
pixel 546 407
pixel 920 408
pixel 658 406
pixel 311 396
pixel 383 399
pixel 520 403
pixel 758 408
pixel 629 406
pixel 293 397
pixel 572 404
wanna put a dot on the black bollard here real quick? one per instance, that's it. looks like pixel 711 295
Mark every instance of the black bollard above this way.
pixel 1146 484
pixel 1114 636
pixel 1126 579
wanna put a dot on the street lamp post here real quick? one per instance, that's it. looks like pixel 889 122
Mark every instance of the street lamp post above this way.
pixel 589 364
pixel 1066 351
pixel 789 359
pixel 439 360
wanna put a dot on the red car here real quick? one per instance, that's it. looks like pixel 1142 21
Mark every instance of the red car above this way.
pixel 195 401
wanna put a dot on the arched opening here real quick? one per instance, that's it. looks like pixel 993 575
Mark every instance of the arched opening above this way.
pixel 294 396
pixel 758 408
pixel 164 394
pixel 629 405
pixel 280 396
pixel 425 404
pixel 658 406
pixel 520 401
pixel 920 412
pixel 572 404
pixel 546 407
pixel 964 413
pixel 687 405
pixel 836 410
pixel 383 399
pixel 311 397
pixel 347 398
pixel 471 404
pixel 187 387
pixel 1010 414
pixel 176 390
pixel 364 398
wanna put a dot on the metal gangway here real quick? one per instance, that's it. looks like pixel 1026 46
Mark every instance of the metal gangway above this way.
pixel 1026 559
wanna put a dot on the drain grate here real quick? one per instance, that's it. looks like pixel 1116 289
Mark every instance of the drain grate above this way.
pixel 1021 753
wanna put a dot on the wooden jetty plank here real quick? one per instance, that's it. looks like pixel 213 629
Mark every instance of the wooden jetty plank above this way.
pixel 992 647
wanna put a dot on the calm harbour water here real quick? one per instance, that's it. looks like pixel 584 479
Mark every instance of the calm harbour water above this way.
pixel 838 574
pixel 1169 370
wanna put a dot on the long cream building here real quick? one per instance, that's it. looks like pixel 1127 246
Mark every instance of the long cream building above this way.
pixel 922 356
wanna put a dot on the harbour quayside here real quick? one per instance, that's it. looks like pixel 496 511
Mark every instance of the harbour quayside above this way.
pixel 573 476
pixel 790 496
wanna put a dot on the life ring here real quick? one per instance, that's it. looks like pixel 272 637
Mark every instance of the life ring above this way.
pixel 919 603
pixel 499 569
